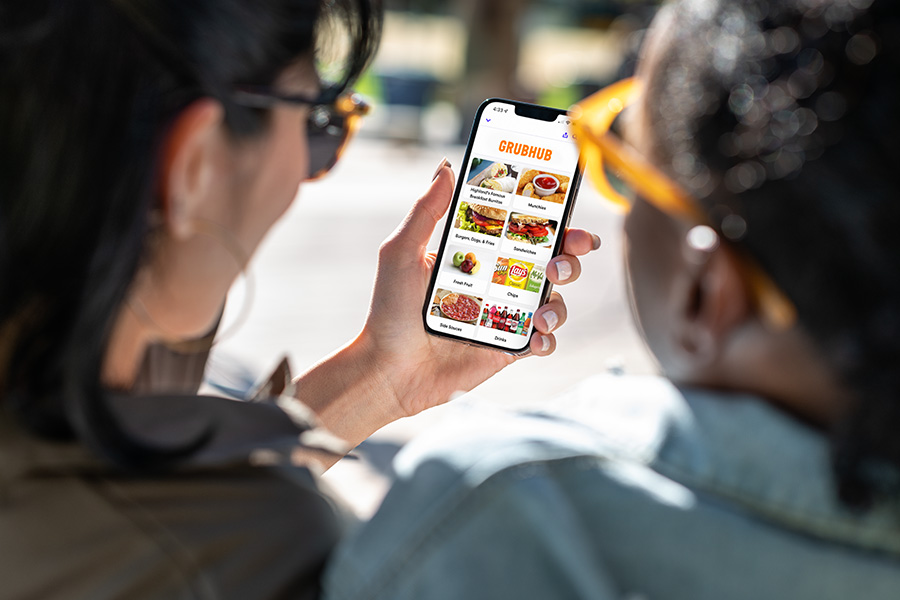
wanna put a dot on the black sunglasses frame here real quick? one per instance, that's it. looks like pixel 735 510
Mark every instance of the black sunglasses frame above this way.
pixel 330 106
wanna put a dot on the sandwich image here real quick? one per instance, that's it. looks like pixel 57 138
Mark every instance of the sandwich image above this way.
pixel 480 219
pixel 530 229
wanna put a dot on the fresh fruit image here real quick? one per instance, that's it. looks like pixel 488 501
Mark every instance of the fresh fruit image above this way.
pixel 466 266
pixel 475 267
pixel 458 258
pixel 470 256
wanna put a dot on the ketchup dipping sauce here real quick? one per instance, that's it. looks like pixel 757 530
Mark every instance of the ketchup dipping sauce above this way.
pixel 546 184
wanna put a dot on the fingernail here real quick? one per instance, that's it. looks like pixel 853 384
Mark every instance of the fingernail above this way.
pixel 597 241
pixel 551 320
pixel 545 343
pixel 444 163
pixel 563 269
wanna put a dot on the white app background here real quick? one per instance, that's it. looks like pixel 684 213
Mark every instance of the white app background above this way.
pixel 506 225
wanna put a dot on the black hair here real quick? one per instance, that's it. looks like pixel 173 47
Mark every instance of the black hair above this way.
pixel 782 117
pixel 87 93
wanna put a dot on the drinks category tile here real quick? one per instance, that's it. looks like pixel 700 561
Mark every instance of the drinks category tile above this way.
pixel 504 319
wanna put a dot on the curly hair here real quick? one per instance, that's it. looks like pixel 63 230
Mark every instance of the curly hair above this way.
pixel 782 117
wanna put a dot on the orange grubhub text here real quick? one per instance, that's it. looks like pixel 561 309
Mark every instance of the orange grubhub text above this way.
pixel 525 151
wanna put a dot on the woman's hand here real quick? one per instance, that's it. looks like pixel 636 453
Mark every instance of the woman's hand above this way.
pixel 394 368
pixel 425 370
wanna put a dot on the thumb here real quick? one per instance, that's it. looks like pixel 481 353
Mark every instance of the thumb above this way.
pixel 419 224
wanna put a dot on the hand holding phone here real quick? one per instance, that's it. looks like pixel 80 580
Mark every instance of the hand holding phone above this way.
pixel 507 221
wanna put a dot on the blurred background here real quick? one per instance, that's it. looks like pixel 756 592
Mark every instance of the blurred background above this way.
pixel 438 61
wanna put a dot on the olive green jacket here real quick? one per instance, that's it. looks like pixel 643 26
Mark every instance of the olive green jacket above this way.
pixel 242 518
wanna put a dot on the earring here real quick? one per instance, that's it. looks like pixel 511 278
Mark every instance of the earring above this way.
pixel 699 243
pixel 231 244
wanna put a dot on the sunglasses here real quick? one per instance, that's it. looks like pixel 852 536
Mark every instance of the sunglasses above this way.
pixel 620 173
pixel 333 119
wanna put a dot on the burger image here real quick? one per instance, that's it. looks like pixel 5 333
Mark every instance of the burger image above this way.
pixel 480 219
pixel 530 229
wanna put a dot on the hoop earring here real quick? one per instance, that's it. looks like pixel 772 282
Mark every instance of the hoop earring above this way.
pixel 228 241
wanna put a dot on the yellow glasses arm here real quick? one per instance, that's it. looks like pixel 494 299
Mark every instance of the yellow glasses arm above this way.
pixel 593 118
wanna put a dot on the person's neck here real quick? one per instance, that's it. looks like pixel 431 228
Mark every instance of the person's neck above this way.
pixel 786 370
pixel 125 351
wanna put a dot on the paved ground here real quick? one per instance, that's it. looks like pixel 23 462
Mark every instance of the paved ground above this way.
pixel 313 277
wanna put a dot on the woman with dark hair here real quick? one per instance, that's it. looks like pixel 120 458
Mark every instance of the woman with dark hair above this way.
pixel 756 151
pixel 146 147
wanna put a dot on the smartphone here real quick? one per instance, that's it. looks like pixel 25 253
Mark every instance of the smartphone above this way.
pixel 515 193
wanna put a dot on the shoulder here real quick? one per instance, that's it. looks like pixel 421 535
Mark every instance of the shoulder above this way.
pixel 623 477
pixel 496 491
pixel 605 416
pixel 242 518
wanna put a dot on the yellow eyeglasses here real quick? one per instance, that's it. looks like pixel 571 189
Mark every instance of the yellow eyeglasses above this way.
pixel 603 152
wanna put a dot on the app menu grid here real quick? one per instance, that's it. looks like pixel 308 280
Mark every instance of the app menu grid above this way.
pixel 503 230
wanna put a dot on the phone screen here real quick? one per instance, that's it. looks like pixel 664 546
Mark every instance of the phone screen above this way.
pixel 509 213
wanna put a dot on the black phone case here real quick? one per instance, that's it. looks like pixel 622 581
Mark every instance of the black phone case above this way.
pixel 527 110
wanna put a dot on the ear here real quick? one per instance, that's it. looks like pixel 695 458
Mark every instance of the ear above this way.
pixel 189 165
pixel 716 305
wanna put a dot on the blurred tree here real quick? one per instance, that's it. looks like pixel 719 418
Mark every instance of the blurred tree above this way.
pixel 495 31
pixel 492 52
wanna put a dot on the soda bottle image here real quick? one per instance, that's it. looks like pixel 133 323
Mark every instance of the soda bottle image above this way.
pixel 484 315
pixel 509 320
pixel 528 322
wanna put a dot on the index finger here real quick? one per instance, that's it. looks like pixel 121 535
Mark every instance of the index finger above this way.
pixel 579 242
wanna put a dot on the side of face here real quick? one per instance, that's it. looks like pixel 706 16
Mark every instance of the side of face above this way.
pixel 688 301
pixel 216 186
pixel 651 245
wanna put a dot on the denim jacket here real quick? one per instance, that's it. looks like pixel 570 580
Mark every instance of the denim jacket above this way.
pixel 629 488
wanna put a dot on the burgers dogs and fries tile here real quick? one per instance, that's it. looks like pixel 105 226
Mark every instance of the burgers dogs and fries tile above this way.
pixel 479 218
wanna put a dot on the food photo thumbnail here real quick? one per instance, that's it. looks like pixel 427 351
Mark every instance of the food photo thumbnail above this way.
pixel 504 318
pixel 531 229
pixel 518 274
pixel 491 175
pixel 456 306
pixel 542 185
pixel 466 262
pixel 480 219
